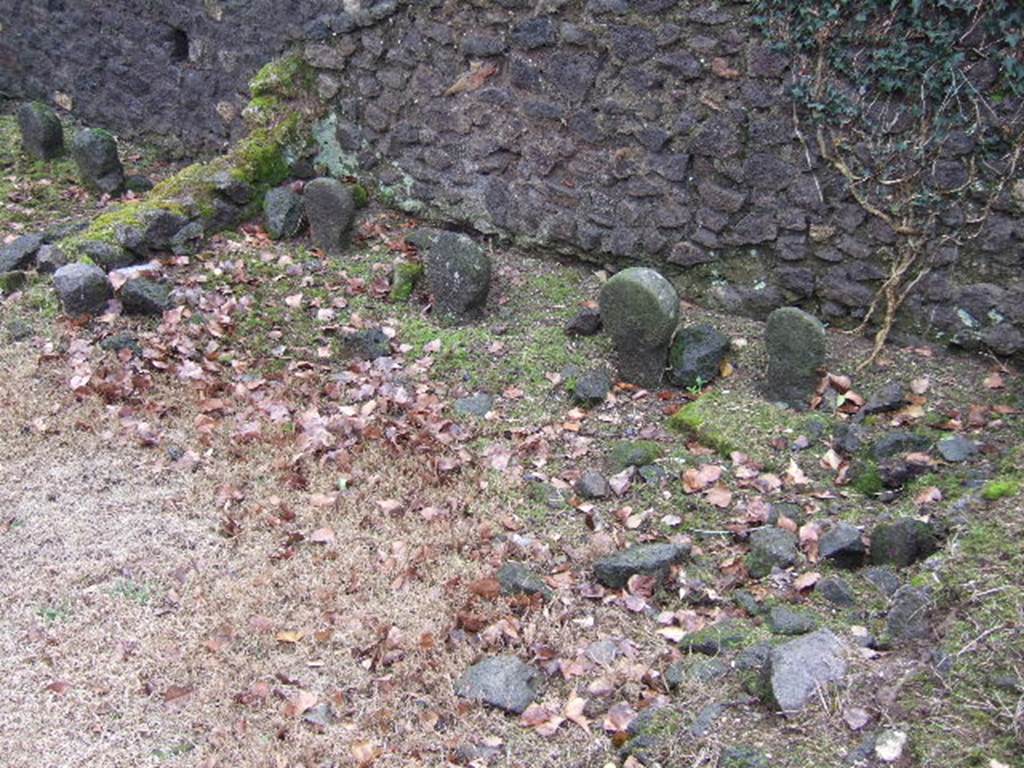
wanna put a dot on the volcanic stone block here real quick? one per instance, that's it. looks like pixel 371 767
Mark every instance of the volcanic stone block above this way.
pixel 640 310
pixel 330 210
pixel 99 167
pixel 42 135
pixel 796 353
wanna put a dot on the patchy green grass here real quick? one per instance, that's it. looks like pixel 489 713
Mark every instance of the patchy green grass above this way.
pixel 970 713
pixel 729 421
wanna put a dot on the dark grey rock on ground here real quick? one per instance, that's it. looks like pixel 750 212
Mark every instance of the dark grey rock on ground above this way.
pixel 843 546
pixel 886 400
pixel 640 311
pixel 743 757
pixel 108 256
pixel 770 548
pixel 458 273
pixel 592 485
pixel 903 542
pixel 783 620
pixel 634 453
pixel 143 296
pixel 478 405
pixel 649 559
pixel 696 356
pixel 10 282
pixel 592 387
pixel 367 344
pixel 956 448
pixel 586 323
pixel 42 135
pixel 49 259
pixel 884 580
pixel 330 210
pixel 283 213
pixel 83 289
pixel 20 253
pixel 503 682
pixel 138 183
pixel 99 167
pixel 696 669
pixel 714 639
pixel 796 354
pixel 836 591
pixel 908 617
pixel 517 579
pixel 898 443
pixel 797 669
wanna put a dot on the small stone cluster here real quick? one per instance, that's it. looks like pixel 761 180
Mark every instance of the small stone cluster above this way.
pixel 639 309
pixel 94 150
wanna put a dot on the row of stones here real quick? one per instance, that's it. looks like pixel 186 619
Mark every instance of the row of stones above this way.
pixel 640 311
pixel 94 150
pixel 580 154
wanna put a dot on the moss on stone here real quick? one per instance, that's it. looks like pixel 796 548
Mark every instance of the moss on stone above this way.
pixel 735 421
pixel 260 159
pixel 407 274
pixel 360 195
pixel 288 76
pixel 867 480
pixel 634 453
pixel 1000 488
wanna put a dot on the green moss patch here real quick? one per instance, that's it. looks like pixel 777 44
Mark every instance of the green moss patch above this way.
pixel 1000 488
pixel 731 421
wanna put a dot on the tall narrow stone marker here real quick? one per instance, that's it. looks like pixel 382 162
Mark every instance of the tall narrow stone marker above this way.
pixel 796 354
pixel 99 167
pixel 42 135
pixel 640 310
pixel 330 210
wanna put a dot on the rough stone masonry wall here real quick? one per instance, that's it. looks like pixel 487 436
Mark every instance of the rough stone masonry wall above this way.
pixel 174 69
pixel 653 130
pixel 657 131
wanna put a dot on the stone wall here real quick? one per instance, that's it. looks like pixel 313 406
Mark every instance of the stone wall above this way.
pixel 656 131
pixel 174 69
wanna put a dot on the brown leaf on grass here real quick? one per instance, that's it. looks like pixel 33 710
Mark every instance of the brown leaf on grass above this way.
pixel 323 499
pixel 839 382
pixel 297 705
pixel 928 495
pixel 831 460
pixel 256 694
pixel 59 687
pixel 809 533
pixel 322 536
pixel 787 524
pixel 723 69
pixel 977 416
pixel 719 496
pixel 618 717
pixel 365 753
pixel 919 458
pixel 920 386
pixel 488 589
pixel 768 483
pixel 795 475
pixel 176 692
pixel 574 711
pixel 806 580
pixel 698 479
pixel 542 720
pixel 478 74
pixel 994 381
